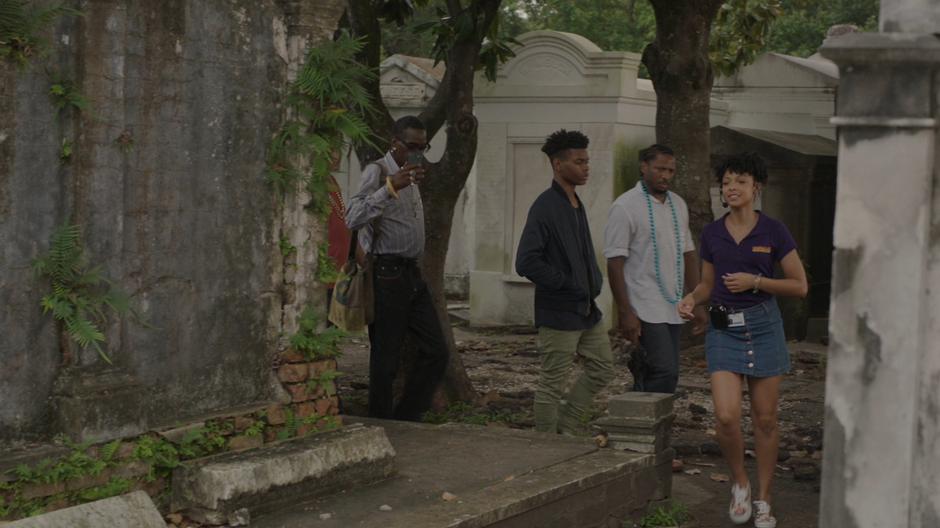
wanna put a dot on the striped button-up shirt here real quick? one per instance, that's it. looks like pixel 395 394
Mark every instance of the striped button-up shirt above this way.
pixel 387 225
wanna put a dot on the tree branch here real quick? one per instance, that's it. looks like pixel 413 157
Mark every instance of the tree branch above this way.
pixel 462 59
pixel 364 23
pixel 435 113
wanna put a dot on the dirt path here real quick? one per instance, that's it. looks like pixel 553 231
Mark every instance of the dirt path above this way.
pixel 503 364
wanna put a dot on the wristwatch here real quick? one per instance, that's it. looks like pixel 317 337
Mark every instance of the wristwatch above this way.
pixel 756 287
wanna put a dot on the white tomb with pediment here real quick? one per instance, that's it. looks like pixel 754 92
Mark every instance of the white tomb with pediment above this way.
pixel 557 80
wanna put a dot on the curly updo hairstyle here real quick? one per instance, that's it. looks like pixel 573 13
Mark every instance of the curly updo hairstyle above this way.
pixel 744 163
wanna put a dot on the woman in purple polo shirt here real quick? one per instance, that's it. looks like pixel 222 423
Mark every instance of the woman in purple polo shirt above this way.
pixel 745 340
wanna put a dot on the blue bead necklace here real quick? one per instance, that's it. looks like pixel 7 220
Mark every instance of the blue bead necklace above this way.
pixel 679 268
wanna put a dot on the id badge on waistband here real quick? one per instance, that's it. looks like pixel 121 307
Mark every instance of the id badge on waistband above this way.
pixel 735 320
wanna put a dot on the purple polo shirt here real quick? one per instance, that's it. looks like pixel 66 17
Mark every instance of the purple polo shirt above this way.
pixel 763 247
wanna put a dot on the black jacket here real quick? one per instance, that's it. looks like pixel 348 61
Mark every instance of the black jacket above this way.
pixel 557 254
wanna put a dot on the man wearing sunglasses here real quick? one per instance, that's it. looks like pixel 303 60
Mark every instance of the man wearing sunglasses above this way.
pixel 388 214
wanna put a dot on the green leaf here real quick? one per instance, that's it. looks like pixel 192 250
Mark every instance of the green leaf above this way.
pixel 109 450
pixel 65 94
pixel 740 32
pixel 84 332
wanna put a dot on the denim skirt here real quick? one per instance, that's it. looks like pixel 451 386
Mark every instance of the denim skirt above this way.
pixel 757 349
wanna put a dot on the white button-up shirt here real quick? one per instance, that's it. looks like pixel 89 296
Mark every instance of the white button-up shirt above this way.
pixel 628 234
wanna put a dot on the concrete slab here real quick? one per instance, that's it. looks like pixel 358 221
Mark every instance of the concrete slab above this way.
pixel 134 510
pixel 498 477
pixel 214 489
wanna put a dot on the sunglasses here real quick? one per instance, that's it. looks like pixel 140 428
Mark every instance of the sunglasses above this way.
pixel 416 147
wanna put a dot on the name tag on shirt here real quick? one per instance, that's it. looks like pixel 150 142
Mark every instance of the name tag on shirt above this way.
pixel 735 320
pixel 761 249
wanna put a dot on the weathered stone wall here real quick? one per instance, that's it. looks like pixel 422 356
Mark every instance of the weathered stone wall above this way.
pixel 167 182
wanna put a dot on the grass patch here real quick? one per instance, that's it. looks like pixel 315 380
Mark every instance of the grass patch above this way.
pixel 673 514
pixel 462 412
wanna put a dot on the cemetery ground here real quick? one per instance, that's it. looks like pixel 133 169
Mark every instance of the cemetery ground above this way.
pixel 503 364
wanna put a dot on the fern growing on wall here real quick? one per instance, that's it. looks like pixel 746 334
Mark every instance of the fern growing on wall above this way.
pixel 65 95
pixel 21 29
pixel 80 295
pixel 325 102
pixel 316 344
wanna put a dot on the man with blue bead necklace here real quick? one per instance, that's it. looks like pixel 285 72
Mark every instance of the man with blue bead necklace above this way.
pixel 651 263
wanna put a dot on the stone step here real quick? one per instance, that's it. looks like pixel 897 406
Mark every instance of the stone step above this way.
pixel 585 491
pixel 462 476
pixel 459 315
pixel 234 486
pixel 132 510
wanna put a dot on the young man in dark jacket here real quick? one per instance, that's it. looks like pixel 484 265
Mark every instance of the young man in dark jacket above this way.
pixel 557 254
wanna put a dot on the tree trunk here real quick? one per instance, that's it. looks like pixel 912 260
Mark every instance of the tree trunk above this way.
pixel 682 76
pixel 440 192
pixel 439 203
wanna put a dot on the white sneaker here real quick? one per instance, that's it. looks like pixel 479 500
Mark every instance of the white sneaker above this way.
pixel 764 519
pixel 740 501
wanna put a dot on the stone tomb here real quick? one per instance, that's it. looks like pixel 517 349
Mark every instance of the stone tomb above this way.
pixel 557 80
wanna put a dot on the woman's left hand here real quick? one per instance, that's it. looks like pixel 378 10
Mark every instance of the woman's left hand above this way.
pixel 739 282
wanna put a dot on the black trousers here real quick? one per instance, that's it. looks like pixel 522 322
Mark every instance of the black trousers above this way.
pixel 403 305
pixel 656 365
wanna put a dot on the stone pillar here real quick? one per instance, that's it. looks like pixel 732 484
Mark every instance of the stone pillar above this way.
pixel 910 16
pixel 642 422
pixel 882 443
pixel 304 26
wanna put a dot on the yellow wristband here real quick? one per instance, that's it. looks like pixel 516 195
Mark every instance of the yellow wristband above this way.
pixel 390 187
